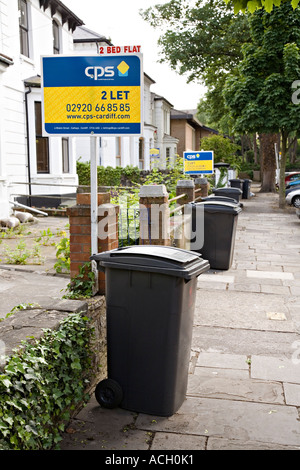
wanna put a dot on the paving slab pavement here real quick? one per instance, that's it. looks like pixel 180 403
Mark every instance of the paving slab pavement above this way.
pixel 33 283
pixel 244 379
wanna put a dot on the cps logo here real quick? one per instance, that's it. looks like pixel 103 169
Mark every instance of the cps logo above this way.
pixel 97 73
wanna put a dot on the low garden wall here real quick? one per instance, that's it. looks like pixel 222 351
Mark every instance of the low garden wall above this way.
pixel 51 358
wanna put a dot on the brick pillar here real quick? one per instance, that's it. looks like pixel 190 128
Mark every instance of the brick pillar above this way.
pixel 203 184
pixel 80 231
pixel 185 187
pixel 154 215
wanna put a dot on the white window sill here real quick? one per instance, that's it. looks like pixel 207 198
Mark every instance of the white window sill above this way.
pixel 23 58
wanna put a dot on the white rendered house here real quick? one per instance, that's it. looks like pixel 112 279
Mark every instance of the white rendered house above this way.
pixel 30 163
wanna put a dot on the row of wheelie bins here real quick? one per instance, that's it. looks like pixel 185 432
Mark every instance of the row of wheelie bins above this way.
pixel 150 303
pixel 243 184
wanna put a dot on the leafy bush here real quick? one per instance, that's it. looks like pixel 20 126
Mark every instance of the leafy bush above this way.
pixel 63 255
pixel 224 149
pixel 169 177
pixel 81 286
pixel 42 383
pixel 107 176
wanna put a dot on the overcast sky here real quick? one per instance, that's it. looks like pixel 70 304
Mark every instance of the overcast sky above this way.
pixel 119 20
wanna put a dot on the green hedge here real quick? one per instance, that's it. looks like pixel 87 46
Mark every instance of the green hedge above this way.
pixel 107 176
pixel 41 385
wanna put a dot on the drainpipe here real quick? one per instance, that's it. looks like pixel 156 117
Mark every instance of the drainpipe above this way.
pixel 28 146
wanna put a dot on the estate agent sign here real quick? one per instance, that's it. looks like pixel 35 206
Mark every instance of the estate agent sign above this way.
pixel 199 163
pixel 100 95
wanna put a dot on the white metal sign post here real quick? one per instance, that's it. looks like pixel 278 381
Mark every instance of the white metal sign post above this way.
pixel 94 204
pixel 94 96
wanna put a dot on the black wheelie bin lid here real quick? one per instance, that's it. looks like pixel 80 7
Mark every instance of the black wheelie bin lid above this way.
pixel 215 198
pixel 154 258
pixel 220 207
pixel 228 190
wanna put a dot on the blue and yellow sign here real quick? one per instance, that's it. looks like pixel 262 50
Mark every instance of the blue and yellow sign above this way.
pixel 92 94
pixel 199 163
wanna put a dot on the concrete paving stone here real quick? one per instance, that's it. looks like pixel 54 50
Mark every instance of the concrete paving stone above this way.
pixel 214 443
pixel 81 435
pixel 96 428
pixel 235 389
pixel 279 290
pixel 270 275
pixel 225 361
pixel 278 258
pixel 269 282
pixel 291 262
pixel 294 283
pixel 246 264
pixel 171 441
pixel 215 278
pixel 207 285
pixel 268 267
pixel 23 289
pixel 242 341
pixel 216 372
pixel 245 287
pixel 295 290
pixel 292 394
pixel 236 309
pixel 276 368
pixel 270 423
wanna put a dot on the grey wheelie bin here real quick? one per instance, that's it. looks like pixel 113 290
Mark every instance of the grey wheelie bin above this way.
pixel 246 188
pixel 234 193
pixel 220 221
pixel 236 183
pixel 150 301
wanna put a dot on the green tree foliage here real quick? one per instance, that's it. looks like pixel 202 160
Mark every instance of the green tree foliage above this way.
pixel 201 40
pixel 205 36
pixel 259 92
pixel 253 5
pixel 224 149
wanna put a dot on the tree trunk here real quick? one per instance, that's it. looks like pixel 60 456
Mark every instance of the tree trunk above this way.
pixel 284 152
pixel 268 162
pixel 255 149
pixel 292 143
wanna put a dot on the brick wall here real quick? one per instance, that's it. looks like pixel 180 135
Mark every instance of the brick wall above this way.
pixel 80 232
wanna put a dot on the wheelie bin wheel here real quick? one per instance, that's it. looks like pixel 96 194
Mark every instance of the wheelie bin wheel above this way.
pixel 108 393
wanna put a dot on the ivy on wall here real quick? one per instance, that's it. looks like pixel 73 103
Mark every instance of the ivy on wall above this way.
pixel 42 383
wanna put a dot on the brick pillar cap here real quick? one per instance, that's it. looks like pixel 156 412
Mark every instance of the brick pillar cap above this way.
pixel 155 190
pixel 201 180
pixel 185 184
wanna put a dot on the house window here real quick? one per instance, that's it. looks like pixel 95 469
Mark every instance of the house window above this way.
pixel 56 38
pixel 118 151
pixel 42 143
pixel 141 153
pixel 24 27
pixel 65 156
pixel 168 154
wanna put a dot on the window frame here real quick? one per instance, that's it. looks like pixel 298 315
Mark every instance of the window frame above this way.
pixel 24 29
pixel 65 156
pixel 118 151
pixel 56 46
pixel 40 139
pixel 141 153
